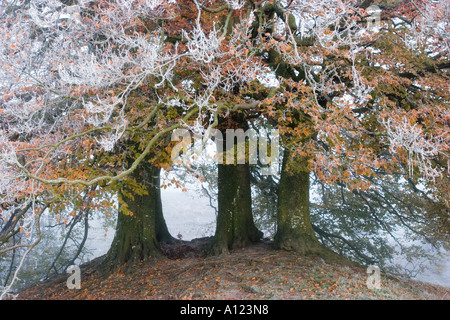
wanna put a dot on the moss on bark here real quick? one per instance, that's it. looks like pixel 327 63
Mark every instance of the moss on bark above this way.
pixel 235 227
pixel 137 235
pixel 294 229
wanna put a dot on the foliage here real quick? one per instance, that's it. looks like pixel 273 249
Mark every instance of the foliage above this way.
pixel 376 226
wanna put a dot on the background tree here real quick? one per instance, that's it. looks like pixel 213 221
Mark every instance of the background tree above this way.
pixel 392 220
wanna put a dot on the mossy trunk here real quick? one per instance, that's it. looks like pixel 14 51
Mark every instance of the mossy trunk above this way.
pixel 235 227
pixel 294 229
pixel 137 235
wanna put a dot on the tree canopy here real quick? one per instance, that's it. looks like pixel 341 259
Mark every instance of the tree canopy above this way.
pixel 91 90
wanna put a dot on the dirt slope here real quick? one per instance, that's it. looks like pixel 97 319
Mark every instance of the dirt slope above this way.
pixel 257 272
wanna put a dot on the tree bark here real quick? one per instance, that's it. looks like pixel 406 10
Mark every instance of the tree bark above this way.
pixel 137 235
pixel 235 227
pixel 294 229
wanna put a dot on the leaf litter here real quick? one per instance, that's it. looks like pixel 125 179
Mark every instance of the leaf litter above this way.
pixel 256 272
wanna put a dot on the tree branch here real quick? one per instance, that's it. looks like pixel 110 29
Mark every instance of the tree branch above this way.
pixel 356 250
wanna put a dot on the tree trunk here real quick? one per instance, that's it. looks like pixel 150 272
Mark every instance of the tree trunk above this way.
pixel 137 235
pixel 294 229
pixel 162 232
pixel 235 227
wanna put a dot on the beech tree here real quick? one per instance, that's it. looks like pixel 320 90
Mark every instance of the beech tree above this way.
pixel 235 226
pixel 90 90
pixel 379 225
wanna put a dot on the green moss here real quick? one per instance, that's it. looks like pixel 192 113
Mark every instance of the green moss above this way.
pixel 294 229
pixel 235 226
pixel 137 233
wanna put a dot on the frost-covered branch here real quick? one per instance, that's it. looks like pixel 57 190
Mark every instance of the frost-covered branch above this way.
pixel 420 148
